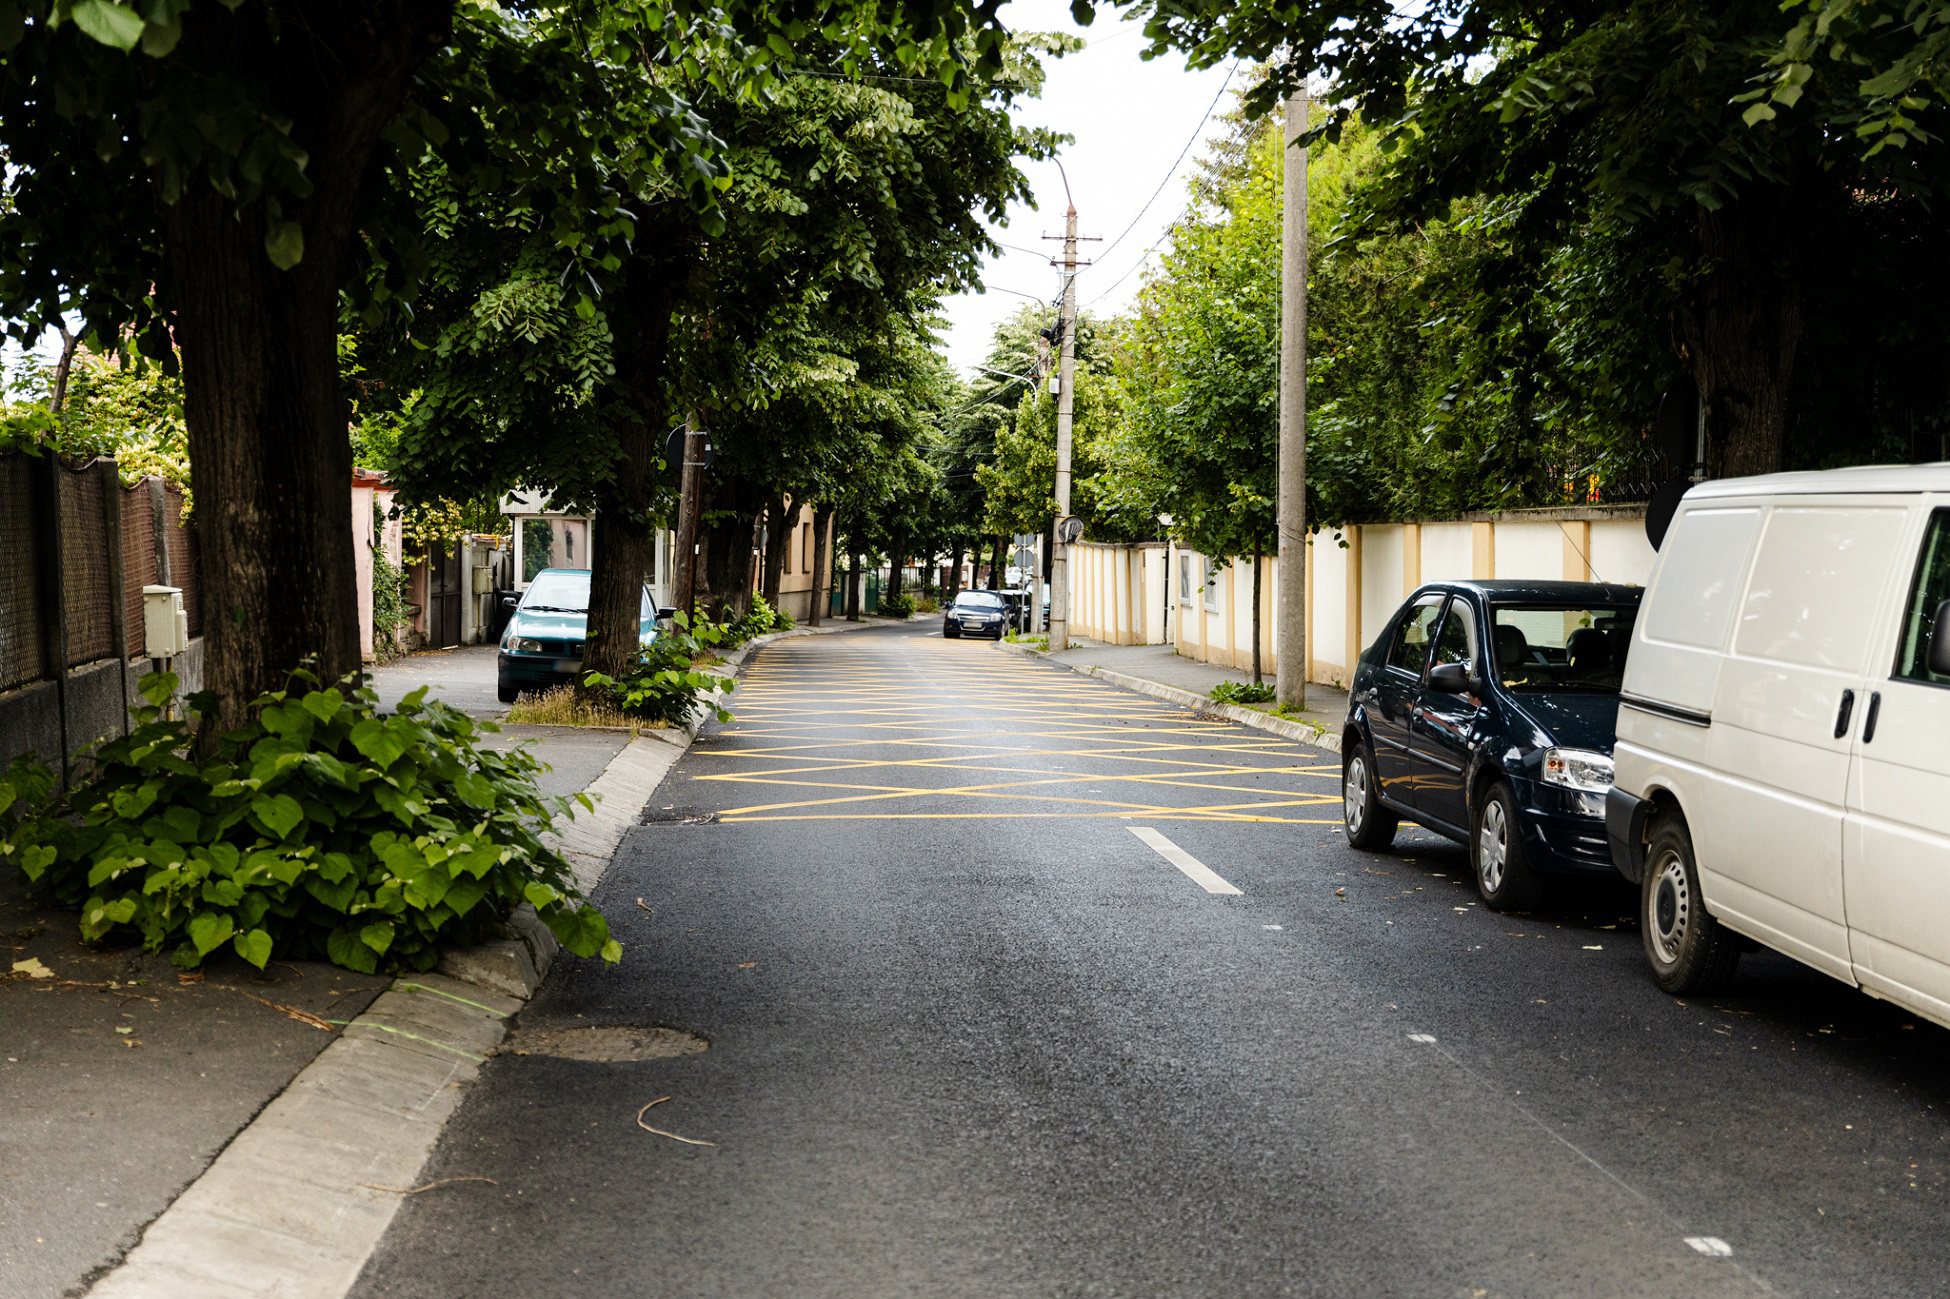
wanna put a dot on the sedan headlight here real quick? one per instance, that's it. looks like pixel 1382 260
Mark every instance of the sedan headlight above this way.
pixel 1577 769
pixel 522 645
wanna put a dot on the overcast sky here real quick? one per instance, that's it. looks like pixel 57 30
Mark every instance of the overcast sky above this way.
pixel 1130 120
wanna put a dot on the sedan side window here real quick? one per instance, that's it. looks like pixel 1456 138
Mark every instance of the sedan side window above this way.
pixel 1457 643
pixel 1409 649
pixel 1931 589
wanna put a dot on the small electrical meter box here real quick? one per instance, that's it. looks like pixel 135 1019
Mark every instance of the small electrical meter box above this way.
pixel 165 627
pixel 483 579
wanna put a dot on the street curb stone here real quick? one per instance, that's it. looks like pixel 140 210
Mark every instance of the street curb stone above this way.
pixel 297 1202
pixel 1253 717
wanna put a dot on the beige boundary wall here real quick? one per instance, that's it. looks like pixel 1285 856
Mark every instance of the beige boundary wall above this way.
pixel 1356 577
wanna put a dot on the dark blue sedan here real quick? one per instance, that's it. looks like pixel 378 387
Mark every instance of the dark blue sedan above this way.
pixel 1486 711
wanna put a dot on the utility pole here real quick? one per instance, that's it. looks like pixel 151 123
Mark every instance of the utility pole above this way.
pixel 1291 621
pixel 1066 374
pixel 689 500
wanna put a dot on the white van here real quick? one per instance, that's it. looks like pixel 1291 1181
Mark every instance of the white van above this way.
pixel 1782 770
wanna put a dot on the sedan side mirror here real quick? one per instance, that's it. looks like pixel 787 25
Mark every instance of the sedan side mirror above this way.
pixel 1939 661
pixel 510 601
pixel 1450 678
pixel 665 612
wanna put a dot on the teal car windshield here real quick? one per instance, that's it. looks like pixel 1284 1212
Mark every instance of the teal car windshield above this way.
pixel 559 590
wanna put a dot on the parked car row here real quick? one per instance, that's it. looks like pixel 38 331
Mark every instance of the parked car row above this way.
pixel 985 613
pixel 1760 741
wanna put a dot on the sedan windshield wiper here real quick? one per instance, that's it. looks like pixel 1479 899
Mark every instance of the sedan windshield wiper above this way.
pixel 552 608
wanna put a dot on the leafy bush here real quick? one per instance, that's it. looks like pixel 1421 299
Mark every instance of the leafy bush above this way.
pixel 897 606
pixel 762 620
pixel 927 604
pixel 665 686
pixel 1241 692
pixel 388 608
pixel 319 828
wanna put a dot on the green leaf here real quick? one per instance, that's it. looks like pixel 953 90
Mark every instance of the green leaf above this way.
pixel 254 947
pixel 209 931
pixel 111 24
pixel 323 704
pixel 372 739
pixel 279 814
pixel 378 936
pixel 612 952
pixel 475 788
pixel 346 948
pixel 285 244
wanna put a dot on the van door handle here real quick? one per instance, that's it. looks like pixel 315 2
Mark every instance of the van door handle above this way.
pixel 1869 722
pixel 1841 718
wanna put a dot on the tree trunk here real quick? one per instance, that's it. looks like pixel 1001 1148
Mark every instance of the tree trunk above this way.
pixel 896 550
pixel 624 526
pixel 998 566
pixel 1741 325
pixel 952 587
pixel 1257 678
pixel 727 562
pixel 778 541
pixel 271 464
pixel 855 562
pixel 822 569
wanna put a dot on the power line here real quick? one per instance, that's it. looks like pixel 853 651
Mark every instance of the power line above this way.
pixel 1142 258
pixel 1196 131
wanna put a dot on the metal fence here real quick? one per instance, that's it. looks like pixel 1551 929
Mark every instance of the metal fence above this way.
pixel 76 549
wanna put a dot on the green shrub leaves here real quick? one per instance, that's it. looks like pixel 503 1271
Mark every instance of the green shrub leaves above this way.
pixel 318 829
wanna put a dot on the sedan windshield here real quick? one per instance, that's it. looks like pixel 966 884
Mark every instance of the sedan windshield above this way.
pixel 977 600
pixel 1557 647
pixel 559 591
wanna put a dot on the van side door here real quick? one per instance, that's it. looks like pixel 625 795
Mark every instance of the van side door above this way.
pixel 1896 843
pixel 1786 708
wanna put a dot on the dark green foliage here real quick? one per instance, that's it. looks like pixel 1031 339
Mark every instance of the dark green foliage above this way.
pixel 1242 692
pixel 664 685
pixel 318 829
pixel 761 621
pixel 897 606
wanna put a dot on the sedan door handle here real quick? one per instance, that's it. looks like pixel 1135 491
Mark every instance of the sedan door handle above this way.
pixel 1869 722
pixel 1841 718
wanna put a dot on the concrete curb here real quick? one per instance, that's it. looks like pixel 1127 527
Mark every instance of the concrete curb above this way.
pixel 1253 717
pixel 301 1197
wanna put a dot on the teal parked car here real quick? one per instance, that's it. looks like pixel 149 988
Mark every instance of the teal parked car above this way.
pixel 542 645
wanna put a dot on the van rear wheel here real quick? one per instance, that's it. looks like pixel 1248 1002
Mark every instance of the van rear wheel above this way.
pixel 1689 951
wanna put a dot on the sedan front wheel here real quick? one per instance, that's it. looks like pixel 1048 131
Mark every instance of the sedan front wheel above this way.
pixel 1503 874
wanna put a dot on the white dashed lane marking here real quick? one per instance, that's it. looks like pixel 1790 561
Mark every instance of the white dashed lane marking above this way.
pixel 1201 874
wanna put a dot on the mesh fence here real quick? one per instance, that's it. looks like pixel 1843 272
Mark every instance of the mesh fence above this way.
pixel 138 562
pixel 88 593
pixel 88 551
pixel 183 559
pixel 21 655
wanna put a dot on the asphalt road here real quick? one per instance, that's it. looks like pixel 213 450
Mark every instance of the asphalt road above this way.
pixel 969 1035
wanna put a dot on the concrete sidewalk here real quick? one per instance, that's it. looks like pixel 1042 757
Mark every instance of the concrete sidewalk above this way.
pixel 1159 671
pixel 243 1132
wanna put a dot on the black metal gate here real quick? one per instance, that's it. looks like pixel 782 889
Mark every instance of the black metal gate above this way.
pixel 444 574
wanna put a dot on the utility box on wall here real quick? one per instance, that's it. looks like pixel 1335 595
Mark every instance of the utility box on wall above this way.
pixel 483 579
pixel 165 626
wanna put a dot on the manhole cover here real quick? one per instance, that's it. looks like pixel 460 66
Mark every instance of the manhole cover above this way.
pixel 607 1042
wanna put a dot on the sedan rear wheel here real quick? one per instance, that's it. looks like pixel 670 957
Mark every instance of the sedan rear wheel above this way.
pixel 1370 826
pixel 1503 874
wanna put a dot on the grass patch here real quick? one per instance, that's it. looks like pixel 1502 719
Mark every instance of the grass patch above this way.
pixel 558 706
pixel 1034 642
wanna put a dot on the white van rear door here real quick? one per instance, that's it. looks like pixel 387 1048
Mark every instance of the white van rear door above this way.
pixel 1896 843
pixel 1789 700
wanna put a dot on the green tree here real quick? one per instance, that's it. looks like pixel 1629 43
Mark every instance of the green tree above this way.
pixel 206 172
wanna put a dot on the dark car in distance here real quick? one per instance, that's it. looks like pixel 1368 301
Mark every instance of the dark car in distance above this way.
pixel 1486 711
pixel 976 613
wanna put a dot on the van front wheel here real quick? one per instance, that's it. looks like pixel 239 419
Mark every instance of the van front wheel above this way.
pixel 1689 951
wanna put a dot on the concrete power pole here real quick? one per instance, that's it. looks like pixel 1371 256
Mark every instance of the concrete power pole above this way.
pixel 1066 371
pixel 1291 620
pixel 683 594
